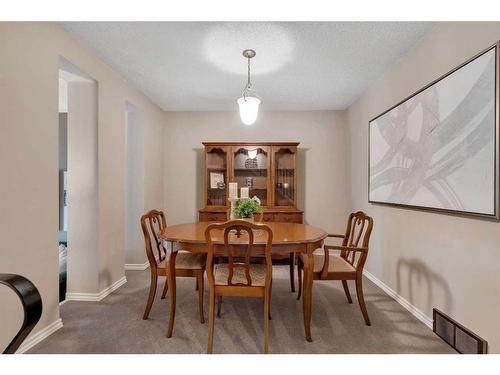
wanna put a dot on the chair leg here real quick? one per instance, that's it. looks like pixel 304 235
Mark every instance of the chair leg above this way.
pixel 270 294
pixel 346 290
pixel 211 318
pixel 151 297
pixel 165 289
pixel 361 299
pixel 266 323
pixel 299 275
pixel 219 304
pixel 292 272
pixel 172 297
pixel 200 285
pixel 196 286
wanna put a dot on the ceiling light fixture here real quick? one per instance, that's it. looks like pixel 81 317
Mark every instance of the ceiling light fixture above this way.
pixel 249 103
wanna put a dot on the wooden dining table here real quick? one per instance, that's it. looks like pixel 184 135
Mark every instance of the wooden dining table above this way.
pixel 287 238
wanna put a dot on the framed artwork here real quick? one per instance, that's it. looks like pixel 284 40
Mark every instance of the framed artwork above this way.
pixel 216 179
pixel 438 149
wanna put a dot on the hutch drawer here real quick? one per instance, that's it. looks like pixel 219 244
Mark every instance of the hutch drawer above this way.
pixel 213 216
pixel 285 217
pixel 267 217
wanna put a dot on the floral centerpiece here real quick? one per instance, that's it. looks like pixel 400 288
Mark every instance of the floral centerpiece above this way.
pixel 246 207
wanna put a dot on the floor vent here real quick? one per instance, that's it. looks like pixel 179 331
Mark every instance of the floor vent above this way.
pixel 456 335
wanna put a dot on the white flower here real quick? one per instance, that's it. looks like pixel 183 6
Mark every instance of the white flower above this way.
pixel 255 198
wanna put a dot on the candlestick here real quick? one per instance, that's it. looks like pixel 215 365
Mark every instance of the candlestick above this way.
pixel 233 205
pixel 244 192
pixel 233 190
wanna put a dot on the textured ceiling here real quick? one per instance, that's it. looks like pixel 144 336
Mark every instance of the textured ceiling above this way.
pixel 198 66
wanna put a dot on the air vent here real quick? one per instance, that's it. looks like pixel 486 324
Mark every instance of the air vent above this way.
pixel 456 335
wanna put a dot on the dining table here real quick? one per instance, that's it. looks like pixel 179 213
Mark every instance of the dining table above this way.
pixel 287 238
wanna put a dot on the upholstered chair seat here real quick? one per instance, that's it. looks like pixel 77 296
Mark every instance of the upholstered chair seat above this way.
pixel 187 261
pixel 257 275
pixel 336 263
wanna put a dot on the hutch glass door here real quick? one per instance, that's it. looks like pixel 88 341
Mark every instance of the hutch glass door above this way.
pixel 285 183
pixel 216 193
pixel 251 169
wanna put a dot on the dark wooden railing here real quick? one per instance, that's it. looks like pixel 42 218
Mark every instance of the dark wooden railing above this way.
pixel 32 306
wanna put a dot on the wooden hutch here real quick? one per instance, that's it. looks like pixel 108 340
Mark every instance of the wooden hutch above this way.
pixel 268 169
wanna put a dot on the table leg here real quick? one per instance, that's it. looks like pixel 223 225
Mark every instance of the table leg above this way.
pixel 171 291
pixel 307 293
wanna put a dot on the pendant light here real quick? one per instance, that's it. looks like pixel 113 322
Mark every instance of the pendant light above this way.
pixel 249 103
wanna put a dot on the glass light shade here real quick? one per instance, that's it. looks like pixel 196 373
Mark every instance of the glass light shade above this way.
pixel 249 109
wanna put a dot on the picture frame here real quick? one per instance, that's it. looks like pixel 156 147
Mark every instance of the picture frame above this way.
pixel 216 178
pixel 438 149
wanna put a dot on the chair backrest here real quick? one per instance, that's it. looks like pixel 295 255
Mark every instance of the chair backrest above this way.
pixel 237 238
pixel 152 223
pixel 357 234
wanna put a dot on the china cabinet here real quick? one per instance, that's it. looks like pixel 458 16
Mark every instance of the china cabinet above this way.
pixel 268 169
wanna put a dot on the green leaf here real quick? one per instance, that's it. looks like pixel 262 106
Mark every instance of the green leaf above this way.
pixel 246 207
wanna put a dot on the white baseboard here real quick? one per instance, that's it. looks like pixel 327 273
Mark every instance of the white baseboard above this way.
pixel 51 328
pixel 403 302
pixel 32 340
pixel 136 266
pixel 96 296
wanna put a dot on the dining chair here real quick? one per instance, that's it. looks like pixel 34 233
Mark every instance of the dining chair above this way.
pixel 278 259
pixel 186 264
pixel 238 277
pixel 347 265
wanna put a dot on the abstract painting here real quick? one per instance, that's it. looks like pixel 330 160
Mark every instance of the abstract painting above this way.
pixel 438 149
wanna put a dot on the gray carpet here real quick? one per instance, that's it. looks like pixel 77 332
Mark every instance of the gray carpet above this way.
pixel 115 324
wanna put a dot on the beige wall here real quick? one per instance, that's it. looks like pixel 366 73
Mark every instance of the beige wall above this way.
pixel 29 158
pixel 431 260
pixel 134 206
pixel 323 159
pixel 82 187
